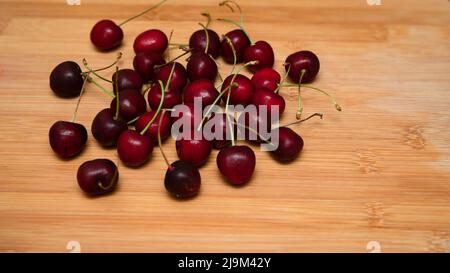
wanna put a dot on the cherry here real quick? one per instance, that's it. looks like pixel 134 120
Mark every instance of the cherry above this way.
pixel 134 149
pixel 172 97
pixel 237 164
pixel 302 60
pixel 106 35
pixel 98 176
pixel 106 128
pixel 131 104
pixel 201 66
pixel 144 63
pixel 266 78
pixel 220 120
pixel 289 146
pixel 67 139
pixel 203 89
pixel 263 96
pixel 197 42
pixel 261 52
pixel 179 77
pixel 193 150
pixel 182 179
pixel 189 114
pixel 127 79
pixel 240 94
pixel 255 125
pixel 239 41
pixel 66 79
pixel 153 40
pixel 166 124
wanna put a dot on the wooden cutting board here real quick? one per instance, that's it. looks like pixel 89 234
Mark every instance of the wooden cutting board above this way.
pixel 375 177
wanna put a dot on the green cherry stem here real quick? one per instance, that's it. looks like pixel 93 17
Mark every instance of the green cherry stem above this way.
pixel 119 56
pixel 142 13
pixel 133 120
pixel 85 63
pixel 234 53
pixel 298 115
pixel 159 138
pixel 91 80
pixel 208 18
pixel 207 37
pixel 116 117
pixel 332 99
pixel 241 17
pixel 284 79
pixel 229 120
pixel 74 116
pixel 302 120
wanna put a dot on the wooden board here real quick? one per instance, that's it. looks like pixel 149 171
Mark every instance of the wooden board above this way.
pixel 374 177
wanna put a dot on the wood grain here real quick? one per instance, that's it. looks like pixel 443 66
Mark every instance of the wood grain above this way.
pixel 379 171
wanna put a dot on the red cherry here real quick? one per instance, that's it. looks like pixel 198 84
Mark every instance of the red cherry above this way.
pixel 182 179
pixel 179 76
pixel 197 42
pixel 127 79
pixel 66 79
pixel 153 40
pixel 144 63
pixel 302 60
pixel 203 89
pixel 237 164
pixel 240 94
pixel 106 35
pixel 193 150
pixel 221 125
pixel 171 97
pixel 290 145
pixel 134 149
pixel 106 129
pixel 266 78
pixel 201 66
pixel 262 52
pixel 131 104
pixel 189 114
pixel 263 96
pixel 152 131
pixel 67 139
pixel 260 123
pixel 98 176
pixel 240 43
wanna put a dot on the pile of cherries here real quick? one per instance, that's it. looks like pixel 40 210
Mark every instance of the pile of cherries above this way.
pixel 129 125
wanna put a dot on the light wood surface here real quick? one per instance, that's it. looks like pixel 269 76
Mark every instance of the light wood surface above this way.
pixel 376 175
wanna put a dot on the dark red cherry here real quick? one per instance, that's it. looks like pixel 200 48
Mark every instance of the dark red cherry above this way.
pixel 262 52
pixel 266 78
pixel 67 139
pixel 237 164
pixel 134 149
pixel 203 89
pixel 188 117
pixel 302 60
pixel 179 76
pixel 131 104
pixel 290 145
pixel 197 42
pixel 201 66
pixel 260 123
pixel 240 94
pixel 171 97
pixel 106 129
pixel 66 79
pixel 98 176
pixel 193 150
pixel 221 127
pixel 144 64
pixel 153 40
pixel 127 79
pixel 106 35
pixel 182 179
pixel 152 131
pixel 240 42
pixel 263 96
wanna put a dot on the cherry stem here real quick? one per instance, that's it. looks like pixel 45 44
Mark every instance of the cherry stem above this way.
pixel 178 44
pixel 119 56
pixel 303 120
pixel 207 37
pixel 234 53
pixel 284 79
pixel 241 17
pixel 173 60
pixel 74 116
pixel 170 39
pixel 91 80
pixel 159 138
pixel 117 94
pixel 238 25
pixel 85 63
pixel 229 120
pixel 100 185
pixel 163 91
pixel 133 120
pixel 332 99
pixel 300 107
pixel 142 13
pixel 208 18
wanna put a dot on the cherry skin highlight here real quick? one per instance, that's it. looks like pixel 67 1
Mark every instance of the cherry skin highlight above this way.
pixel 193 150
pixel 179 76
pixel 203 89
pixel 266 78
pixel 106 129
pixel 290 145
pixel 152 131
pixel 263 96
pixel 66 80
pixel 153 40
pixel 171 97
pixel 201 66
pixel 237 164
pixel 240 94
pixel 134 149
pixel 131 104
pixel 261 52
pixel 67 139
pixel 98 176
pixel 144 64
pixel 127 79
pixel 240 43
pixel 302 60
pixel 106 35
pixel 197 42
pixel 182 179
